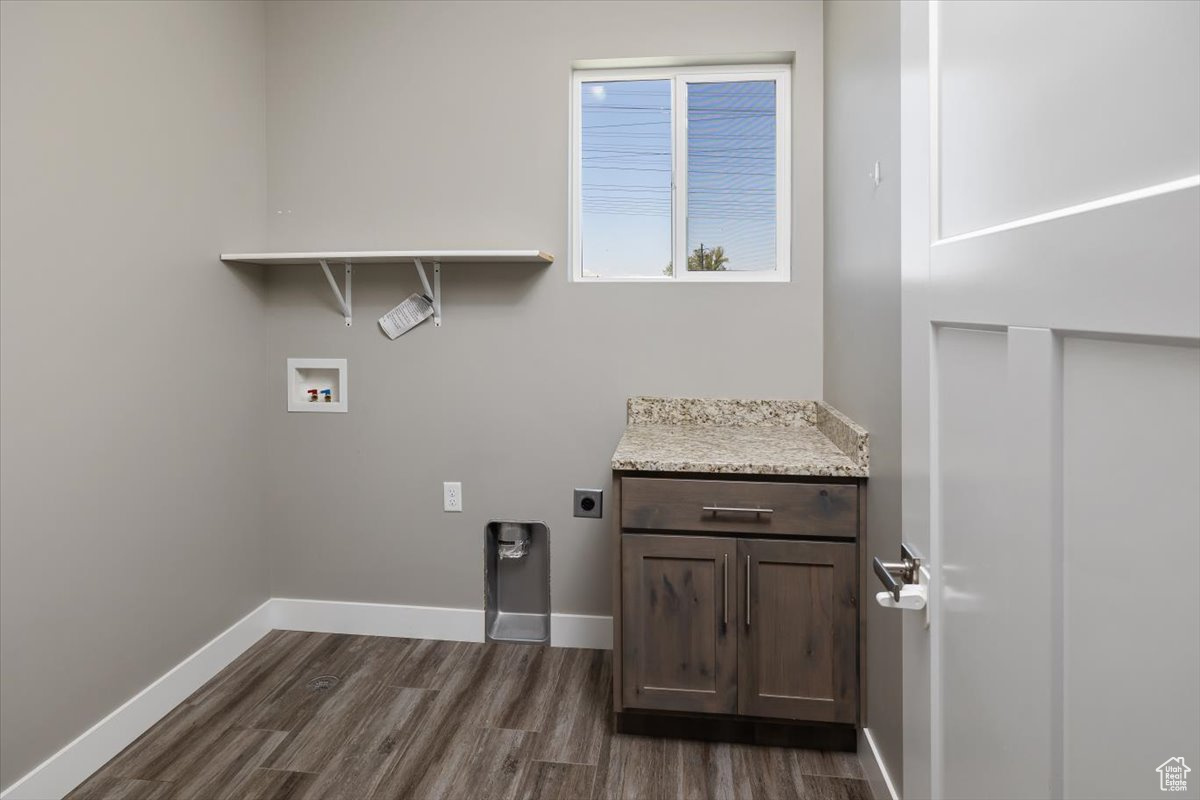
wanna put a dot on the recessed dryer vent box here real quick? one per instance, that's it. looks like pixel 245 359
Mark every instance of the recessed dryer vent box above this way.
pixel 516 574
pixel 308 375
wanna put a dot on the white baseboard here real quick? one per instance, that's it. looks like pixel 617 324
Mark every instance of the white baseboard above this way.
pixel 877 775
pixel 377 619
pixel 70 766
pixel 424 622
pixel 581 630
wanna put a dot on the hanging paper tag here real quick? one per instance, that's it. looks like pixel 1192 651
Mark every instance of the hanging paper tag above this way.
pixel 412 312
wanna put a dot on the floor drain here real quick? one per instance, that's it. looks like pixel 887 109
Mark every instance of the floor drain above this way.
pixel 322 683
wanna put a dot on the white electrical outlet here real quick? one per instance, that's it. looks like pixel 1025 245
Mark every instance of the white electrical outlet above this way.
pixel 452 496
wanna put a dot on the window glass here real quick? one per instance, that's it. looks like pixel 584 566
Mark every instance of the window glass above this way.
pixel 731 176
pixel 625 178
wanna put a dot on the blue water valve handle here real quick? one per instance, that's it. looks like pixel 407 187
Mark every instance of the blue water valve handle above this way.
pixel 328 395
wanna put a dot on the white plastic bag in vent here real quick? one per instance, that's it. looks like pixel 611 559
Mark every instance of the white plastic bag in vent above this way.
pixel 516 549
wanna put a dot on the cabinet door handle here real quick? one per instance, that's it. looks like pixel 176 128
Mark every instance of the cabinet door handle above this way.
pixel 747 591
pixel 714 510
pixel 725 592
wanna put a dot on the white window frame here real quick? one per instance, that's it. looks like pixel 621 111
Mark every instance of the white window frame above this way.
pixel 680 77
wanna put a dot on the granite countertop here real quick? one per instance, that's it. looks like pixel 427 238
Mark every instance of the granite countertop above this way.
pixel 741 437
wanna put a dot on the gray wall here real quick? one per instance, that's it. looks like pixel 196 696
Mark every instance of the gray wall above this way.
pixel 133 148
pixel 862 299
pixel 409 125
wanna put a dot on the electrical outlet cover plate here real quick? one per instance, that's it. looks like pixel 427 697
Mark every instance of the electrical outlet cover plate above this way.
pixel 589 503
pixel 452 496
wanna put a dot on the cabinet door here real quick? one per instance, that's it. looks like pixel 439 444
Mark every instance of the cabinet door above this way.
pixel 797 649
pixel 679 623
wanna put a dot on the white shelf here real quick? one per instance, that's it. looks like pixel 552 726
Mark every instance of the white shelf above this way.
pixel 395 257
pixel 416 257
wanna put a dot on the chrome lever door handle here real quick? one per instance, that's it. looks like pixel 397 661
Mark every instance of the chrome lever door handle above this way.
pixel 905 569
pixel 884 574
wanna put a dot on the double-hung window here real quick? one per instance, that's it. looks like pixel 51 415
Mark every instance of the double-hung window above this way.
pixel 681 174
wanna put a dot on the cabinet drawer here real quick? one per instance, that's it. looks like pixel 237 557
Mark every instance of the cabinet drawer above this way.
pixel 785 509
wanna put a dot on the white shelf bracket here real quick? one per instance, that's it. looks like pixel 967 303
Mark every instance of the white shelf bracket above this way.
pixel 343 300
pixel 437 294
pixel 434 293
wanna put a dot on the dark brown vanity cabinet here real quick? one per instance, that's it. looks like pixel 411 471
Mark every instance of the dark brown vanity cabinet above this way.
pixel 757 619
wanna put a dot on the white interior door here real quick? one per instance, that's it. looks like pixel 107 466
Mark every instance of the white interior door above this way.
pixel 1051 397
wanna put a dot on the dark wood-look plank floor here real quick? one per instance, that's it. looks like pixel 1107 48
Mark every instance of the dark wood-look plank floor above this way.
pixel 318 716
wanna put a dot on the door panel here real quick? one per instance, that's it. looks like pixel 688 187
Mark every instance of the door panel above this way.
pixel 1106 113
pixel 1019 275
pixel 797 644
pixel 679 623
pixel 996 638
pixel 1131 513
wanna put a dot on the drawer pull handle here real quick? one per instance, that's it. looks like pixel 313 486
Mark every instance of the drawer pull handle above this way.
pixel 714 510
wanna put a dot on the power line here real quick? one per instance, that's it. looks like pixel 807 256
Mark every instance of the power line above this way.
pixel 622 186
pixel 690 172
